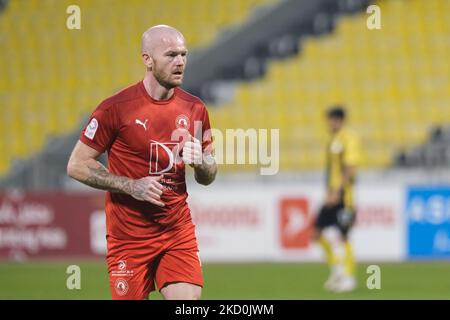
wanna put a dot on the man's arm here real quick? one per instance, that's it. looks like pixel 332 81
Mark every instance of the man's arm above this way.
pixel 334 195
pixel 84 167
pixel 349 175
pixel 205 167
pixel 205 173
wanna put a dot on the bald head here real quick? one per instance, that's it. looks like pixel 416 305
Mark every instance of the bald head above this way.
pixel 164 55
pixel 160 36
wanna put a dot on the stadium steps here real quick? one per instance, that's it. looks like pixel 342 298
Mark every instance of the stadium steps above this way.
pixel 433 154
pixel 55 76
pixel 394 82
pixel 241 53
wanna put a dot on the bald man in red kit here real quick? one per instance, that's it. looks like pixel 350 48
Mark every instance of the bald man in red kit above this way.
pixel 150 131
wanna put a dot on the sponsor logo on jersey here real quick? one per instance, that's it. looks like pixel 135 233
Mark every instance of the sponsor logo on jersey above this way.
pixel 160 153
pixel 144 124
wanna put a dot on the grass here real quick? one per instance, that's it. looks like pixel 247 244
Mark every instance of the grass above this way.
pixel 47 280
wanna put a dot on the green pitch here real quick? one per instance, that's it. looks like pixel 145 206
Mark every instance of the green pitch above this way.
pixel 47 280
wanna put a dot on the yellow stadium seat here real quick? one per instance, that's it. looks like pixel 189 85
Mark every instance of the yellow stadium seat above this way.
pixel 58 75
pixel 394 83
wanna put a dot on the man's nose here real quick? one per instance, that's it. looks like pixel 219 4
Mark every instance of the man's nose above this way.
pixel 179 60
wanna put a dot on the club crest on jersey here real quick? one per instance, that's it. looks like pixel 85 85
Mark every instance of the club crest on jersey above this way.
pixel 182 122
pixel 91 129
pixel 336 147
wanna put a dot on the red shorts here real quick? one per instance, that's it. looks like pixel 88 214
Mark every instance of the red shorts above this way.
pixel 135 266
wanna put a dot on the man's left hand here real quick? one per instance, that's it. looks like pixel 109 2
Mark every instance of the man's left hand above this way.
pixel 192 152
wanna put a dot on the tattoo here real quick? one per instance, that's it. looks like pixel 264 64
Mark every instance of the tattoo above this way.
pixel 137 189
pixel 100 178
pixel 205 173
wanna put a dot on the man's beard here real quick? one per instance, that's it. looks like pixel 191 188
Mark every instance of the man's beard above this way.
pixel 164 81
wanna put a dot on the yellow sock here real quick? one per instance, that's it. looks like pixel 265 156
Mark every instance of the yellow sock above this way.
pixel 328 249
pixel 349 259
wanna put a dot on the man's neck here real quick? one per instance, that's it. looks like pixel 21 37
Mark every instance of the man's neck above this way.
pixel 155 89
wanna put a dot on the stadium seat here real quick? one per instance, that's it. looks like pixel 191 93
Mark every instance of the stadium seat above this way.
pixel 52 76
pixel 394 82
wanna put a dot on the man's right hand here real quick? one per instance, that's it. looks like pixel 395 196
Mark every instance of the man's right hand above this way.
pixel 148 189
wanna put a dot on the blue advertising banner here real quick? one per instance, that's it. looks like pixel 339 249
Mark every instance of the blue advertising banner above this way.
pixel 428 222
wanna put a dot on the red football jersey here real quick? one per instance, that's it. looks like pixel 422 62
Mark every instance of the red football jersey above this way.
pixel 143 137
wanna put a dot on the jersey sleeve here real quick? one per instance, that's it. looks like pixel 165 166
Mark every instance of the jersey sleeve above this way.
pixel 101 129
pixel 352 155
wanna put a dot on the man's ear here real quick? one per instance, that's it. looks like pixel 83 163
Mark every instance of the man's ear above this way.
pixel 148 61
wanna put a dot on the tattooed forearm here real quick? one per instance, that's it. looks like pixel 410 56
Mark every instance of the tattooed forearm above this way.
pixel 205 173
pixel 94 174
pixel 100 178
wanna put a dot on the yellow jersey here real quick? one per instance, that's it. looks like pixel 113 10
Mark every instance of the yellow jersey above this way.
pixel 343 150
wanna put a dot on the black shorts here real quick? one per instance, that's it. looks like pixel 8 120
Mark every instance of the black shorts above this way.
pixel 337 215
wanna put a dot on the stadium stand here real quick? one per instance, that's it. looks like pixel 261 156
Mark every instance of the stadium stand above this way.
pixel 2 4
pixel 433 154
pixel 394 81
pixel 54 75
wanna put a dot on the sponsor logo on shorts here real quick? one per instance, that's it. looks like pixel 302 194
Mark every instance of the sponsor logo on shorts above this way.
pixel 121 286
pixel 122 265
pixel 122 270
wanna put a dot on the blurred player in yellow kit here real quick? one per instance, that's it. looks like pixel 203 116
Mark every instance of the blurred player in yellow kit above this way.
pixel 338 211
